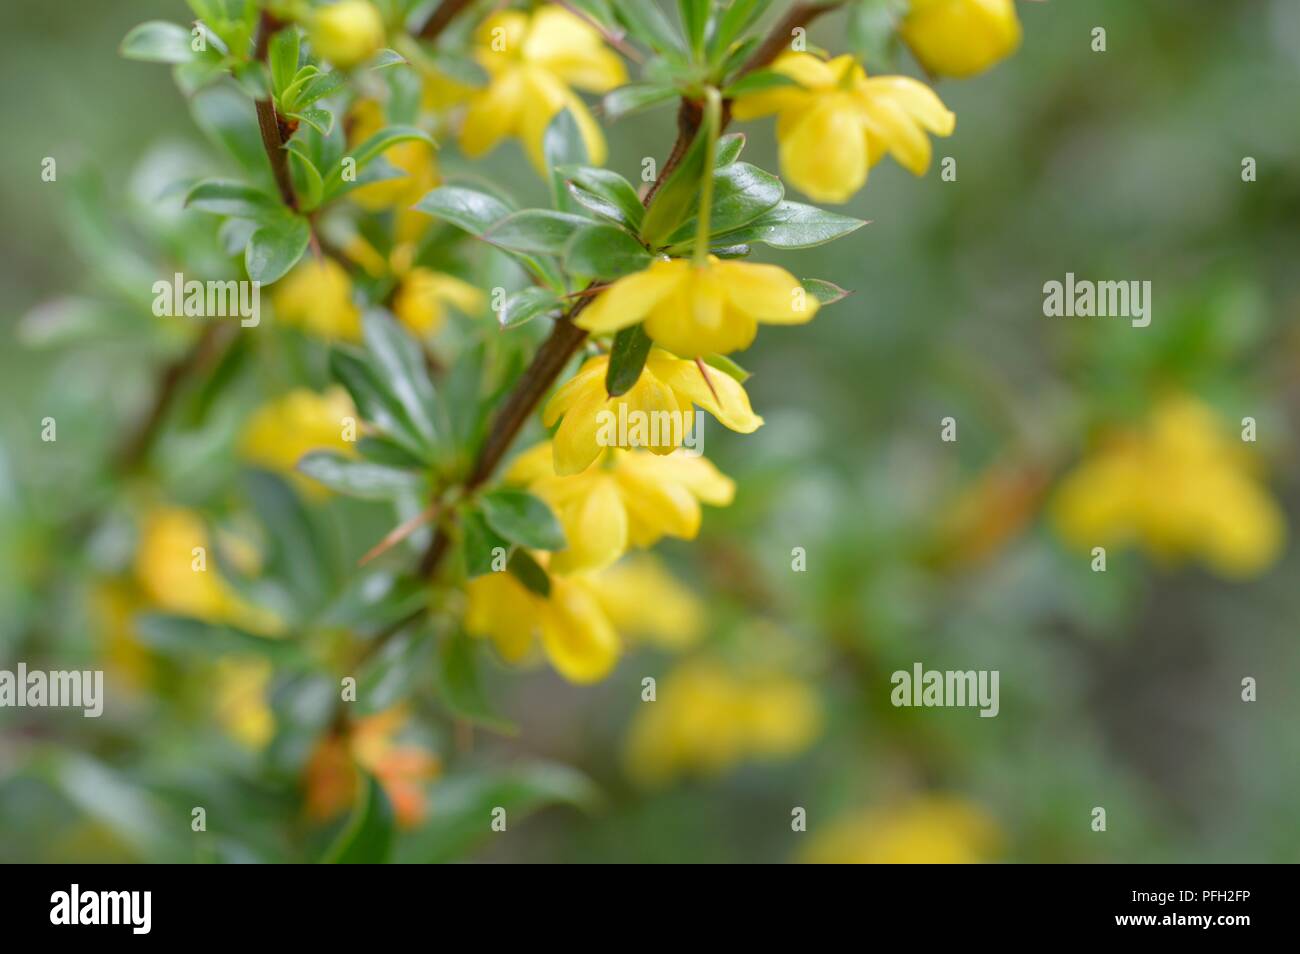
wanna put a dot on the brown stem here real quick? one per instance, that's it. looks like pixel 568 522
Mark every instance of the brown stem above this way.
pixel 442 17
pixel 268 123
pixel 778 39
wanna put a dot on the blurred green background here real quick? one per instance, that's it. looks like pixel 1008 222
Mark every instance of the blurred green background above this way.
pixel 1119 689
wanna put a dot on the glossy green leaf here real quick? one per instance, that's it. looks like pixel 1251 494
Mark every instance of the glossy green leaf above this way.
pixel 609 187
pixel 483 545
pixel 604 251
pixel 275 247
pixel 529 572
pixel 523 519
pixel 400 363
pixel 626 359
pixel 467 209
pixel 368 836
pixel 158 42
pixel 792 225
pixel 461 688
pixel 635 97
pixel 535 231
pixel 359 478
pixel 529 303
pixel 225 197
pixel 741 193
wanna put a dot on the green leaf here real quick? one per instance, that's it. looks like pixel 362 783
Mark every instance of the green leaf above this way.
pixel 535 231
pixel 695 22
pixel 604 251
pixel 373 147
pixel 872 32
pixel 729 148
pixel 635 97
pixel 368 837
pixel 358 478
pixel 727 367
pixel 298 550
pixel 350 368
pixel 158 42
pixel 310 85
pixel 398 359
pixel 171 634
pixel 623 204
pixel 523 519
pixel 228 119
pixel 283 57
pixel 480 541
pixel 827 293
pixel 467 209
pixel 626 359
pixel 735 20
pixel 758 81
pixel 465 803
pixel 321 120
pixel 562 145
pixel 308 185
pixel 224 197
pixel 527 304
pixel 386 58
pixel 462 691
pixel 275 247
pixel 529 572
pixel 793 225
pixel 677 194
pixel 647 23
pixel 741 193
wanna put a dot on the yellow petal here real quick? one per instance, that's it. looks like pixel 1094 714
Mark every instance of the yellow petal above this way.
pixel 595 527
pixel 916 99
pixel 573 50
pixel 578 638
pixel 499 607
pixel 905 139
pixel 493 114
pixel 657 507
pixel 960 37
pixel 767 293
pixel 631 297
pixel 575 442
pixel 591 375
pixel 730 407
pixel 822 151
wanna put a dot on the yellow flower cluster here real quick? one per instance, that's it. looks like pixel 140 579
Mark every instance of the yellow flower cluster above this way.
pixel 280 432
pixel 1179 486
pixel 929 829
pixel 707 718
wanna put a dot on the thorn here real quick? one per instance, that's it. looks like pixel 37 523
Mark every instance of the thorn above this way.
pixel 399 533
pixel 699 363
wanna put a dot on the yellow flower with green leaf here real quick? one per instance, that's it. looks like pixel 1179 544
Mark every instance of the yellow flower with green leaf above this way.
pixel 317 297
pixel 576 635
pixel 665 395
pixel 629 498
pixel 699 309
pixel 1178 486
pixel 834 123
pixel 533 62
pixel 960 37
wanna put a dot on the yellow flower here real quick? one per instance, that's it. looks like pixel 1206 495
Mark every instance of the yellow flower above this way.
pixel 317 296
pixel 642 598
pixel 423 294
pixel 657 409
pixel 577 637
pixel 280 432
pixel 632 499
pixel 706 719
pixel 347 33
pixel 834 123
pixel 960 37
pixel 532 62
pixel 1178 487
pixel 177 572
pixel 698 310
pixel 416 159
pixel 927 830
pixel 240 699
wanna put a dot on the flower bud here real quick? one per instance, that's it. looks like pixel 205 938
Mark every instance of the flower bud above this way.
pixel 347 33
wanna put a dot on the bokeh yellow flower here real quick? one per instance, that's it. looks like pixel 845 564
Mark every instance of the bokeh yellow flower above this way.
pixel 414 158
pixel 631 498
pixel 664 397
pixel 707 718
pixel 402 769
pixel 280 432
pixel 930 829
pixel 177 573
pixel 642 599
pixel 1178 486
pixel 695 310
pixel 533 61
pixel 960 37
pixel 422 297
pixel 577 637
pixel 834 122
pixel 347 32
pixel 317 297
pixel 240 699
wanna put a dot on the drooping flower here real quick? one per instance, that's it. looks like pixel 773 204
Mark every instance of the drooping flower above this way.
pixel 280 432
pixel 960 37
pixel 533 61
pixel 631 498
pixel 347 32
pixel 708 718
pixel 834 123
pixel 1178 487
pixel 695 310
pixel 317 296
pixel 931 829
pixel 576 635
pixel 659 408
pixel 422 297
pixel 642 599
